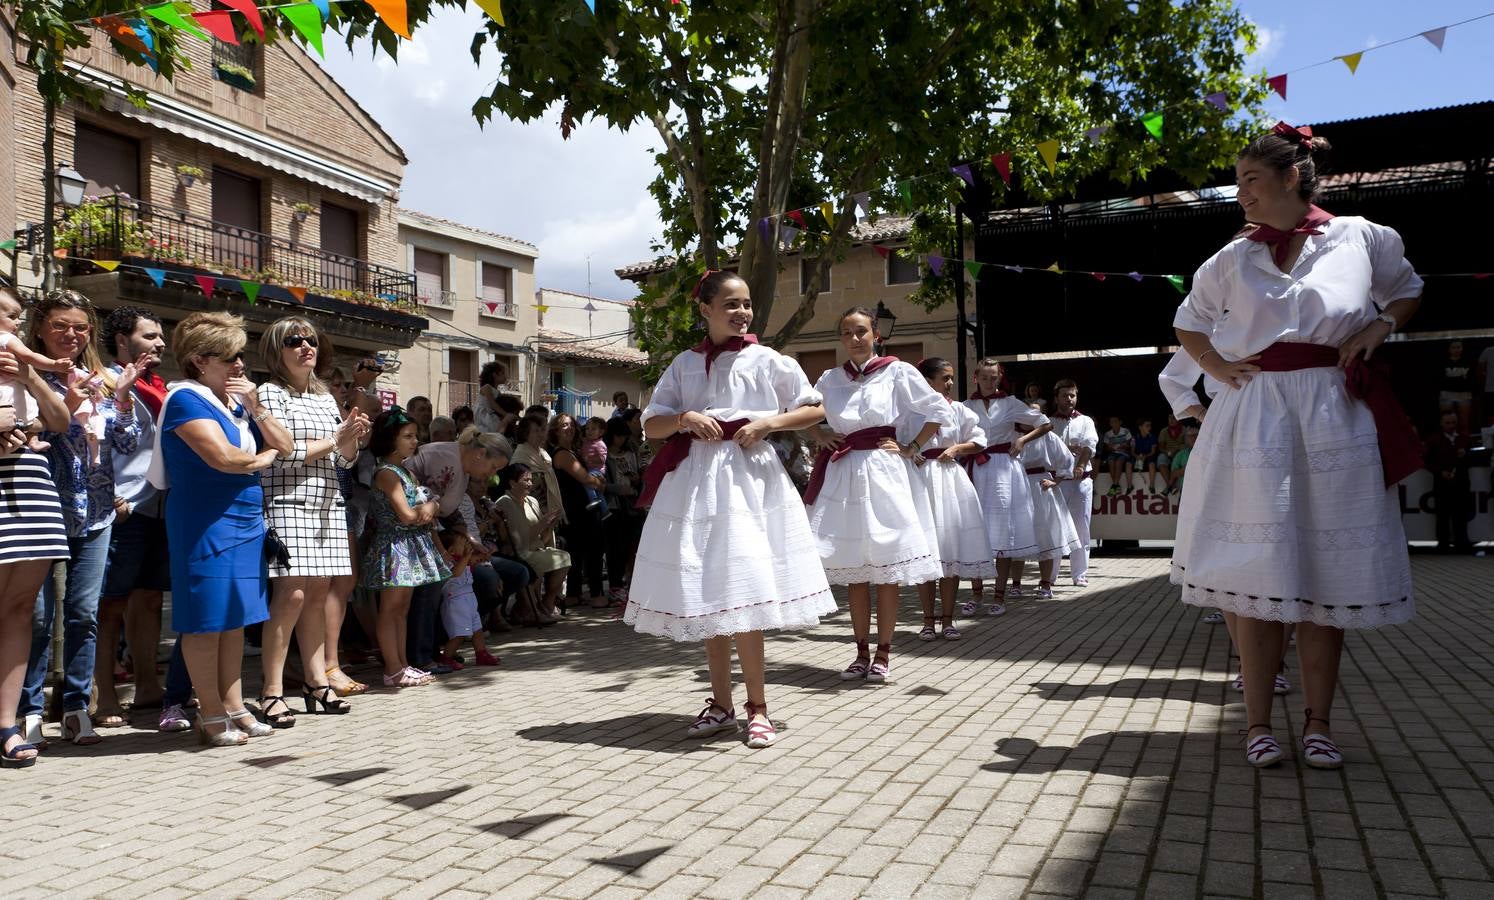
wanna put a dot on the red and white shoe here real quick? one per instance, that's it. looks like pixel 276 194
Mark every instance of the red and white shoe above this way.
pixel 1263 751
pixel 1318 750
pixel 760 733
pixel 714 719
pixel 858 667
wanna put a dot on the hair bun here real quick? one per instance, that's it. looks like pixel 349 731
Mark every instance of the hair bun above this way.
pixel 1321 152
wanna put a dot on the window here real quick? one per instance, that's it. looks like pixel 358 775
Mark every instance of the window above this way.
pixel 816 362
pixel 430 278
pixel 110 162
pixel 902 267
pixel 494 290
pixel 237 65
pixel 339 241
pixel 236 219
pixel 806 266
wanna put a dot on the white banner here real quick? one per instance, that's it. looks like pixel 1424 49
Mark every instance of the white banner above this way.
pixel 1141 516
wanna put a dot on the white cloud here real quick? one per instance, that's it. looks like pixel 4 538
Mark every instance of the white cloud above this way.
pixel 1268 42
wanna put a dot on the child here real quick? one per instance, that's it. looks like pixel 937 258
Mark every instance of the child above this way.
pixel 726 549
pixel 13 390
pixel 594 457
pixel 1146 453
pixel 1180 460
pixel 402 555
pixel 1120 450
pixel 459 613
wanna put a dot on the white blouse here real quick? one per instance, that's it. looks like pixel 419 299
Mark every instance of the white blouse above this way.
pixel 999 418
pixel 752 383
pixel 1178 378
pixel 1049 452
pixel 1340 282
pixel 964 429
pixel 1076 433
pixel 888 396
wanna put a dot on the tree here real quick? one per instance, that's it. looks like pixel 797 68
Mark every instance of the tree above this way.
pixel 764 107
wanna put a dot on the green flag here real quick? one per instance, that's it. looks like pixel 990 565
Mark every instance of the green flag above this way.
pixel 308 20
pixel 1153 123
pixel 251 288
pixel 973 268
pixel 169 14
pixel 1177 282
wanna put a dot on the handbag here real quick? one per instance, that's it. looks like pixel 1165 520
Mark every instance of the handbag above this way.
pixel 276 553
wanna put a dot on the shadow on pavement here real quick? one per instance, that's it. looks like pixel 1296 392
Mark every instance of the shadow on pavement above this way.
pixel 663 732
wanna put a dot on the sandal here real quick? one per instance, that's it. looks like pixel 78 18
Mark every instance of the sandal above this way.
pixel 322 695
pixel 421 676
pixel 111 718
pixel 714 719
pixel 1214 618
pixel 228 737
pixel 403 678
pixel 1014 592
pixel 12 758
pixel 81 731
pixel 342 684
pixel 969 607
pixel 1045 591
pixel 286 719
pixel 1282 685
pixel 255 728
pixel 927 634
pixel 1262 750
pixel 31 726
pixel 759 734
pixel 950 632
pixel 881 667
pixel 858 668
pixel 1318 750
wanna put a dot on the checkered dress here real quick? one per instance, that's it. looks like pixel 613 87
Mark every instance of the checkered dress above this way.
pixel 302 500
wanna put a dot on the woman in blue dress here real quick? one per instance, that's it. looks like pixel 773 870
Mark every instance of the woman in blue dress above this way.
pixel 211 430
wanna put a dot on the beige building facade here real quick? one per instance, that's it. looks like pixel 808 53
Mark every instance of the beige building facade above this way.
pixel 586 353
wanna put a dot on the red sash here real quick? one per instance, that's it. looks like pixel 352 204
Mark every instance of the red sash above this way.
pixel 934 452
pixel 1400 448
pixel 865 439
pixel 1036 470
pixel 673 452
pixel 982 457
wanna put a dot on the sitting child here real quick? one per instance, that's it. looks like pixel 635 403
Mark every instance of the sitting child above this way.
pixel 1146 453
pixel 1120 450
pixel 459 612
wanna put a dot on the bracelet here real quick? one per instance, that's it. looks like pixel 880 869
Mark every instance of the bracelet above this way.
pixel 1206 353
pixel 261 415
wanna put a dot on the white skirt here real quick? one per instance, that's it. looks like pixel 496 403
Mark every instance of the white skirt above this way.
pixel 1002 487
pixel 958 521
pixel 1285 515
pixel 1051 522
pixel 726 549
pixel 873 523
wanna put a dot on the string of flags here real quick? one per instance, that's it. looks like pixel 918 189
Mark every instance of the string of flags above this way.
pixel 208 284
pixel 791 223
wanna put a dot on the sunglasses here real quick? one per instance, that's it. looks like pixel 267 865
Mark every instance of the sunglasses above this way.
pixel 237 357
pixel 64 328
pixel 292 341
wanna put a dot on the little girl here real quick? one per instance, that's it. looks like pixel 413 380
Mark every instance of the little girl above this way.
pixel 13 390
pixel 459 613
pixel 594 457
pixel 726 549
pixel 402 555
pixel 1047 461
pixel 958 519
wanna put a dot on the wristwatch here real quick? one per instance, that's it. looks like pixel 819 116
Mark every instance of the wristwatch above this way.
pixel 1388 319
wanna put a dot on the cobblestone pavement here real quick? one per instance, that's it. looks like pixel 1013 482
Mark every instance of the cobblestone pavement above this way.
pixel 1084 746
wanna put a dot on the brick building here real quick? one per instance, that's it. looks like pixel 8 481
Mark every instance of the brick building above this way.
pixel 585 353
pixel 253 164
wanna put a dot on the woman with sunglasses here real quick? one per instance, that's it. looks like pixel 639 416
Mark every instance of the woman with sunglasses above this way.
pixel 215 437
pixel 307 511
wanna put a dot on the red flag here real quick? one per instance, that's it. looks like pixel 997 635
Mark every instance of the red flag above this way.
pixel 220 23
pixel 250 12
pixel 207 283
pixel 1003 164
pixel 881 251
pixel 1278 83
pixel 1099 276
pixel 797 216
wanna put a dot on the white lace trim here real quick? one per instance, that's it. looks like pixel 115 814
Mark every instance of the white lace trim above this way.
pixel 907 572
pixel 1277 609
pixel 1360 538
pixel 1244 532
pixel 1361 457
pixel 986 569
pixel 781 615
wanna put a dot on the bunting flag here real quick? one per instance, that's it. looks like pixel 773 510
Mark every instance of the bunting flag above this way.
pixel 394 14
pixel 1098 276
pixel 1054 269
pixel 788 234
pixel 1094 134
pixel 250 12
pixel 208 284
pixel 108 265
pixel 827 209
pixel 936 264
pixel 493 8
pixel 250 289
pixel 122 33
pixel 1153 123
pixel 308 20
pixel 1278 83
pixel 1049 151
pixel 1003 165
pixel 591 5
pixel 8 245
pixel 326 10
pixel 492 306
pixel 882 251
pixel 157 275
pixel 220 23
pixel 298 292
pixel 863 203
pixel 963 170
pixel 1177 282
pixel 1436 36
pixel 1352 61
pixel 905 191
pixel 167 14
pixel 798 218
pixel 765 228
pixel 1218 99
pixel 1134 276
pixel 542 308
pixel 973 268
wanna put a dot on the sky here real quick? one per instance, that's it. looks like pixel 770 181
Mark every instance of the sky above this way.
pixel 585 202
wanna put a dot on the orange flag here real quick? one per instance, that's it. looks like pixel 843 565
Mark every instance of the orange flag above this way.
pixel 394 14
pixel 117 29
pixel 299 293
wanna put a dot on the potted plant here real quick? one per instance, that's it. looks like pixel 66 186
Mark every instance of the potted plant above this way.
pixel 236 75
pixel 302 210
pixel 188 175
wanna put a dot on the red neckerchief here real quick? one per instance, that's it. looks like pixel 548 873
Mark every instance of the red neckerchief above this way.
pixel 999 395
pixel 152 390
pixel 1279 240
pixel 1071 414
pixel 730 345
pixel 1177 433
pixel 872 365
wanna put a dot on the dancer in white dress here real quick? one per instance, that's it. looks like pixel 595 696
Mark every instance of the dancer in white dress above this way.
pixel 1078 433
pixel 959 523
pixel 998 477
pixel 1286 515
pixel 868 508
pixel 1048 463
pixel 726 550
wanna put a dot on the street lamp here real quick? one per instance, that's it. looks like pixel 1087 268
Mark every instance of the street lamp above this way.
pixel 70 185
pixel 886 321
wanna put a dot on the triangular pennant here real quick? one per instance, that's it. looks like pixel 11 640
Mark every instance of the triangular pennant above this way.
pixel 1017 269
pixel 394 14
pixel 1352 61
pixel 591 5
pixel 905 191
pixel 122 33
pixel 1153 123
pixel 250 13
pixel 250 289
pixel 542 308
pixel 308 21
pixel 798 218
pixel 298 292
pixel 1094 134
pixel 1134 276
pixel 207 283
pixel 963 170
pixel 1480 276
pixel 142 31
pixel 8 245
pixel 1218 99
pixel 973 268
pixel 1002 162
pixel 167 14
pixel 936 263
pixel 492 8
pixel 492 307
pixel 765 228
pixel 1278 83
pixel 881 251
pixel 863 202
pixel 108 265
pixel 1436 36
pixel 1048 150
pixel 219 23
pixel 1098 276
pixel 787 234
pixel 827 209
pixel 157 275
pixel 1177 282
pixel 326 9
pixel 1054 269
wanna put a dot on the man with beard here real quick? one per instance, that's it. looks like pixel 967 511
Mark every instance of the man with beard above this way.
pixel 1078 432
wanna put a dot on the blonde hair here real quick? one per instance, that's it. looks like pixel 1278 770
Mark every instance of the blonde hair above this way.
pixel 493 444
pixel 218 334
pixel 65 299
pixel 272 352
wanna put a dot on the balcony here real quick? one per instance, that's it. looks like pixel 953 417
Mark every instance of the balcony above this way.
pixel 186 245
pixel 438 299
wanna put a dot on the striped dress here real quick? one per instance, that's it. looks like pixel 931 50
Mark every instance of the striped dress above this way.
pixel 30 514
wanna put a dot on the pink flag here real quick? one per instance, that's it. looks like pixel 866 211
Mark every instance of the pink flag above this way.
pixel 1003 164
pixel 207 283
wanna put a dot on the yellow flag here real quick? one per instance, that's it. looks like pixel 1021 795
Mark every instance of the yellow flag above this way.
pixel 492 8
pixel 1049 151
pixel 1055 268
pixel 108 265
pixel 828 210
pixel 1352 61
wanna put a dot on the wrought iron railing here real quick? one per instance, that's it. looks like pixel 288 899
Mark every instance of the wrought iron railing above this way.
pixel 121 227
